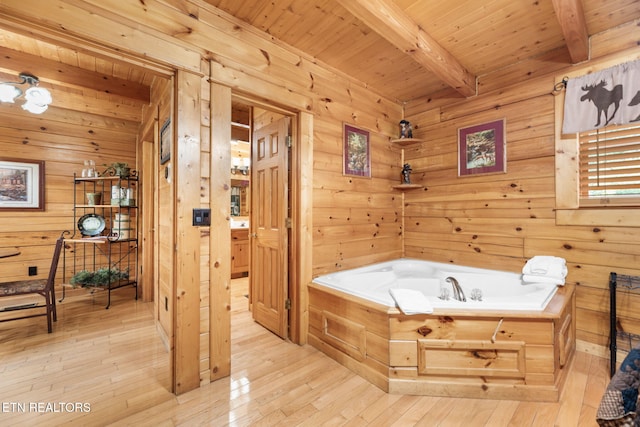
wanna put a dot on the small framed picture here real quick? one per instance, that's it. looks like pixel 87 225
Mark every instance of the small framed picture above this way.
pixel 21 184
pixel 165 142
pixel 356 152
pixel 482 149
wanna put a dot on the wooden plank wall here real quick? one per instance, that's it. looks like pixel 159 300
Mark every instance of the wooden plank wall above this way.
pixel 499 221
pixel 358 220
pixel 162 99
pixel 148 155
pixel 64 139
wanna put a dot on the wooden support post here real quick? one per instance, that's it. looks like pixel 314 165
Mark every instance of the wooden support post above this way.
pixel 220 238
pixel 187 255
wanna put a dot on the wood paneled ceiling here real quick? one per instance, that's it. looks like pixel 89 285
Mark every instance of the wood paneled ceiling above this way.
pixel 77 80
pixel 408 49
pixel 401 49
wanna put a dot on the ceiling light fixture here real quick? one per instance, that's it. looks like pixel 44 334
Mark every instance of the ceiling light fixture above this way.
pixel 37 99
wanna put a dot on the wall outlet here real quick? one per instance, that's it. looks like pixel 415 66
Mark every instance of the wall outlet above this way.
pixel 33 270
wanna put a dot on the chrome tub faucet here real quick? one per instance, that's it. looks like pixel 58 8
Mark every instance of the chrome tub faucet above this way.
pixel 457 290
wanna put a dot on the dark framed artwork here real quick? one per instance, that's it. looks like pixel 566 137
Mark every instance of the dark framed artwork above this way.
pixel 482 149
pixel 165 142
pixel 21 184
pixel 356 152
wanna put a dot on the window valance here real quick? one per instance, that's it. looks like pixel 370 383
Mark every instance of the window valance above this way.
pixel 610 96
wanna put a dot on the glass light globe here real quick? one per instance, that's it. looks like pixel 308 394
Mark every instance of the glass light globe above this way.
pixel 34 108
pixel 38 95
pixel 8 93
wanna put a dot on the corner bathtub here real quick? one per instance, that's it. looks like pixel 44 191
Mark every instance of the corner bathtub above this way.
pixel 514 343
pixel 499 290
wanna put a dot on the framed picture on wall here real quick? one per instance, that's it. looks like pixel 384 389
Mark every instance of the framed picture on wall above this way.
pixel 482 149
pixel 165 142
pixel 21 184
pixel 356 152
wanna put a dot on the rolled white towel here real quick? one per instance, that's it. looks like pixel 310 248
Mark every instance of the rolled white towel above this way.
pixel 411 301
pixel 536 278
pixel 545 265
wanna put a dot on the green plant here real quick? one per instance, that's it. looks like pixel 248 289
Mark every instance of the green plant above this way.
pixel 120 169
pixel 101 277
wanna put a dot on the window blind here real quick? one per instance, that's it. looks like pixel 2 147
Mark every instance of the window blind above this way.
pixel 610 165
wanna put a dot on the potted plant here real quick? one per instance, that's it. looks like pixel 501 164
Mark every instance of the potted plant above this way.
pixel 94 199
pixel 100 278
pixel 118 169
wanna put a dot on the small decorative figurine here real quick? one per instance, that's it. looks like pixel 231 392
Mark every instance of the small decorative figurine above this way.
pixel 406 174
pixel 405 129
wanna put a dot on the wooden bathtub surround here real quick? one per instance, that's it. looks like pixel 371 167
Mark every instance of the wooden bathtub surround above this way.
pixel 511 355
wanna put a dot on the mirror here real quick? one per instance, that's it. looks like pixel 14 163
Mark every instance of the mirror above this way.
pixel 240 158
pixel 240 197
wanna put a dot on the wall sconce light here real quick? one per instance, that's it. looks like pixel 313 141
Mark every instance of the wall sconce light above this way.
pixel 240 165
pixel 37 99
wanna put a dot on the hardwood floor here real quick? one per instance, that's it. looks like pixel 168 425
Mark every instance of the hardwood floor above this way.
pixel 108 367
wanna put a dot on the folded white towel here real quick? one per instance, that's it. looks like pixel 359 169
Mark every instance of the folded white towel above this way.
pixel 538 278
pixel 411 301
pixel 544 265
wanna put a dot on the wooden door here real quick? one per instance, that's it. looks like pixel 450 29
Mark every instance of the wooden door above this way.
pixel 269 233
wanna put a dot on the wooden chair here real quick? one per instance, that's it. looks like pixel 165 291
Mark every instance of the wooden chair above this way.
pixel 42 287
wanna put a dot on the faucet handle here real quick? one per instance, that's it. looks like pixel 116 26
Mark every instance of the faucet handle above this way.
pixel 476 294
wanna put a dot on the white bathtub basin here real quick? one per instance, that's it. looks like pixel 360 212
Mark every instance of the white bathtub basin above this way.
pixel 499 290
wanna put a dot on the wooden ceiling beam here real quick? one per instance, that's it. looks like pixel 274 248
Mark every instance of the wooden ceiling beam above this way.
pixel 574 28
pixel 393 24
pixel 63 74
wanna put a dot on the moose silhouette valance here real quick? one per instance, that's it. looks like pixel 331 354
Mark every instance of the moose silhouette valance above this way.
pixel 610 96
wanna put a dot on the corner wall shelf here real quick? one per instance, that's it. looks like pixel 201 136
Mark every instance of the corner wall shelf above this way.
pixel 406 141
pixel 404 187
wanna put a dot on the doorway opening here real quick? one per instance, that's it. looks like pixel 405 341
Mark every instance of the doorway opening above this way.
pixel 261 209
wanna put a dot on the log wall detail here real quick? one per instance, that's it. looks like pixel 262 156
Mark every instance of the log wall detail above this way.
pixel 501 220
